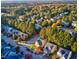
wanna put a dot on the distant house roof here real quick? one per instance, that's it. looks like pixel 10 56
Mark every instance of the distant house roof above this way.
pixel 53 19
pixel 65 23
pixel 38 20
pixel 44 42
pixel 37 26
pixel 62 14
pixel 50 48
pixel 63 53
pixel 6 49
pixel 66 13
pixel 74 34
pixel 66 56
pixel 12 30
pixel 2 26
pixel 47 50
pixel 61 28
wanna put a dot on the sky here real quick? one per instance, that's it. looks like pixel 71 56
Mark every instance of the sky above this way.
pixel 38 0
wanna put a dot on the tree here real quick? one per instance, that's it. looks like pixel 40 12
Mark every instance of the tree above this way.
pixel 49 33
pixel 44 23
pixel 23 27
pixel 74 47
pixel 63 39
pixel 16 24
pixel 30 29
pixel 54 26
pixel 70 17
pixel 42 33
pixel 50 22
pixel 63 18
pixel 75 29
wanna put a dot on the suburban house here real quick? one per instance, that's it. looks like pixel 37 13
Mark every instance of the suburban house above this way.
pixel 2 30
pixel 43 45
pixel 65 23
pixel 12 31
pixel 64 54
pixel 8 51
pixel 5 51
pixel 23 35
pixel 8 29
pixel 14 55
pixel 58 16
pixel 38 48
pixel 39 45
pixel 50 48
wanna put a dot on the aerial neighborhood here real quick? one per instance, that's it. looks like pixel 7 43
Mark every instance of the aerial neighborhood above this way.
pixel 38 31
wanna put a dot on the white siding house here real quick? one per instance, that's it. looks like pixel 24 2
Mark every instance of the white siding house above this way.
pixel 64 54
